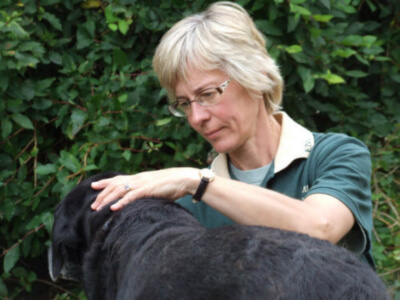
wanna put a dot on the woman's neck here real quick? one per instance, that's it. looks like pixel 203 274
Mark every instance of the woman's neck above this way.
pixel 261 149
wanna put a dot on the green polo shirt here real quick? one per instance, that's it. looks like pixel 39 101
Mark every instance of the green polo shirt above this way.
pixel 311 163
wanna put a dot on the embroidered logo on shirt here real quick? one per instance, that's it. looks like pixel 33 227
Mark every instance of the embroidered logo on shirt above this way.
pixel 308 145
pixel 305 189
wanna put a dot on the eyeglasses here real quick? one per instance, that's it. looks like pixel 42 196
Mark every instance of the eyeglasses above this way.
pixel 208 97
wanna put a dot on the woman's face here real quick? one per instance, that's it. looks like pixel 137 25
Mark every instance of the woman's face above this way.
pixel 230 124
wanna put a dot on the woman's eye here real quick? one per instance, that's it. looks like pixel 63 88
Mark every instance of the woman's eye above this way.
pixel 208 95
pixel 184 104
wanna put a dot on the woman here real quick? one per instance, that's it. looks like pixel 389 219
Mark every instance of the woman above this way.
pixel 219 76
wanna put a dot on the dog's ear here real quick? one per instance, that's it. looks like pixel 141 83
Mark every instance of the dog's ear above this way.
pixel 55 263
pixel 65 253
pixel 72 230
pixel 61 267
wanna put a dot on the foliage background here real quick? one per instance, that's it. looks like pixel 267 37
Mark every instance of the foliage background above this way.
pixel 77 96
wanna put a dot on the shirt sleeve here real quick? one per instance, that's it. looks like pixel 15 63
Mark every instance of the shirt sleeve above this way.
pixel 342 169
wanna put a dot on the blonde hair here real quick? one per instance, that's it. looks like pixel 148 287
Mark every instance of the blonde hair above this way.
pixel 223 37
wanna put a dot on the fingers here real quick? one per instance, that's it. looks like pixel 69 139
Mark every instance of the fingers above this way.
pixel 101 184
pixel 122 202
pixel 168 183
pixel 113 189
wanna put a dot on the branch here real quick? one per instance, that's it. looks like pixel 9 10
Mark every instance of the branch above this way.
pixel 68 103
pixel 22 239
pixel 57 287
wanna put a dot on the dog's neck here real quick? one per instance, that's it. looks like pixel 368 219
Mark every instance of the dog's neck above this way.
pixel 149 217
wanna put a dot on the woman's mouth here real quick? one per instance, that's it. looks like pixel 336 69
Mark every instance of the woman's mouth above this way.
pixel 212 134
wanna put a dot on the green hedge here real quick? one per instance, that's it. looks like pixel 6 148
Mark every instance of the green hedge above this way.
pixel 78 96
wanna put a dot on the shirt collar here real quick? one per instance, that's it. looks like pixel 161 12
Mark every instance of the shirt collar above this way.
pixel 295 142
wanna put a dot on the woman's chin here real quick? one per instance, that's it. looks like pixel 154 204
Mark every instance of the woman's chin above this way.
pixel 222 147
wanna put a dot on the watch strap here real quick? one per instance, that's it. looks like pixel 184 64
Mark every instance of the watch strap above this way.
pixel 206 176
pixel 200 190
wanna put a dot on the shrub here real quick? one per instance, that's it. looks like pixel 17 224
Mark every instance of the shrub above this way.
pixel 78 96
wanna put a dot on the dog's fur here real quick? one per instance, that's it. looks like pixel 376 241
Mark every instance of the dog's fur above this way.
pixel 155 249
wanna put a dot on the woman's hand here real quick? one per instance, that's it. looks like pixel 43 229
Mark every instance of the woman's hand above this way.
pixel 167 183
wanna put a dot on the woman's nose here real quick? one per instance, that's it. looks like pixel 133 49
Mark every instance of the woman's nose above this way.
pixel 199 114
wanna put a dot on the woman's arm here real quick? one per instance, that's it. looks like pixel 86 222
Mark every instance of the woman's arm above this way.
pixel 319 215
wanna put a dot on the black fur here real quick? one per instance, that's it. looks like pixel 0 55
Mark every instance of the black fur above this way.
pixel 154 249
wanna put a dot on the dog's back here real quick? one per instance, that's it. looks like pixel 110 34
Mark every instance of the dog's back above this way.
pixel 244 262
pixel 154 249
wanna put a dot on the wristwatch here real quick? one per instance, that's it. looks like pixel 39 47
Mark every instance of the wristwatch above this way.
pixel 206 176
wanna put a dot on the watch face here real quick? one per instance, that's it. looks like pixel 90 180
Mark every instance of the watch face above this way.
pixel 207 174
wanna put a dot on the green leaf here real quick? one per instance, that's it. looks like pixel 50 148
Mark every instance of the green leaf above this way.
pixel 257 5
pixel 3 288
pixel 299 10
pixel 110 18
pixel 90 168
pixel 353 40
pixel 371 6
pixel 10 259
pixel 343 52
pixel 297 1
pixel 244 2
pixel 163 122
pixel 120 57
pixel 31 276
pixel 307 78
pixel 356 73
pixel 46 169
pixel 53 20
pixel 300 57
pixel 347 8
pixel 42 104
pixel 294 49
pixel 48 220
pixel 32 46
pixel 4 80
pixel 17 30
pixel 268 29
pixel 78 118
pixel 27 90
pixel 103 121
pixel 90 27
pixel 22 121
pixel 6 128
pixel 69 161
pixel 378 119
pixel 322 18
pixel 326 3
pixel 368 40
pixel 25 60
pixel 308 84
pixel 34 151
pixel 362 59
pixel 331 78
pixel 382 58
pixel 91 4
pixel 123 98
pixel 127 155
pixel 293 22
pixel 44 84
pixel 123 26
pixel 83 38
pixel 113 27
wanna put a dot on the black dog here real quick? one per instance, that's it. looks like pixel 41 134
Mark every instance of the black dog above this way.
pixel 155 249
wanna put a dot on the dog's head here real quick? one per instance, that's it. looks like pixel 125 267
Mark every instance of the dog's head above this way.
pixel 75 225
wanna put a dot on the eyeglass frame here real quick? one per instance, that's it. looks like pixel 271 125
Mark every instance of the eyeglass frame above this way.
pixel 220 89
